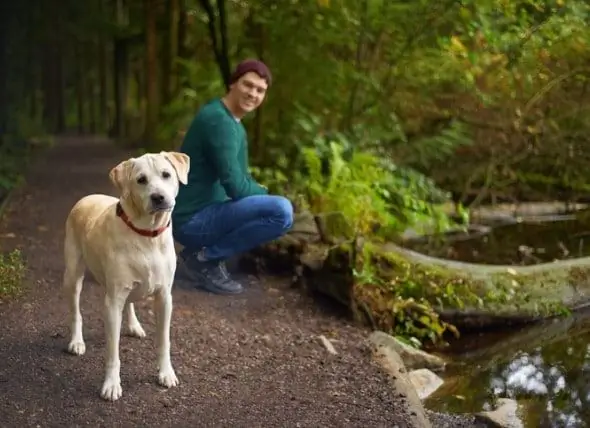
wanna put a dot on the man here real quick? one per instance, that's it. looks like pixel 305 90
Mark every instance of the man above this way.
pixel 222 210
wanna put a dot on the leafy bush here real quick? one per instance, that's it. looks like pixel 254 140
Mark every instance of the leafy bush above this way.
pixel 354 186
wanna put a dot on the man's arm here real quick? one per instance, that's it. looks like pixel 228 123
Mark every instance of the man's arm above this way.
pixel 223 148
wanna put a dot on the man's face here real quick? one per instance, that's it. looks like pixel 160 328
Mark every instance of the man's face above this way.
pixel 249 91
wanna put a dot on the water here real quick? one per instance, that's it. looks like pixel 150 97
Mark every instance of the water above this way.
pixel 546 368
pixel 526 243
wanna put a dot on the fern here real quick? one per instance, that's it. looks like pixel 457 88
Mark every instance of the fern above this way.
pixel 435 148
pixel 346 196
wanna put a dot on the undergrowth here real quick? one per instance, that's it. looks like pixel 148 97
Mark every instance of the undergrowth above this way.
pixel 12 272
pixel 358 194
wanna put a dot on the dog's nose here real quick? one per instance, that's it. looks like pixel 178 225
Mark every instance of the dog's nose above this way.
pixel 156 198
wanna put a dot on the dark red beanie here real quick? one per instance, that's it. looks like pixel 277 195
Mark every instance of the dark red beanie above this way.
pixel 249 65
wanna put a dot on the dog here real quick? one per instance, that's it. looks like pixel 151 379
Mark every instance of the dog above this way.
pixel 128 247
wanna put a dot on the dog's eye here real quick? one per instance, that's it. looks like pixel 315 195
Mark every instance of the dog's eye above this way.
pixel 165 174
pixel 142 179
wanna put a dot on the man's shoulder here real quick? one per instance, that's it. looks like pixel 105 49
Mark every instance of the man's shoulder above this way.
pixel 212 110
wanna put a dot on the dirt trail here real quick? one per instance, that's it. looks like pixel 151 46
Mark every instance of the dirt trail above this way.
pixel 251 360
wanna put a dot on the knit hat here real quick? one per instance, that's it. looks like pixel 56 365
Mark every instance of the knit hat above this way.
pixel 253 65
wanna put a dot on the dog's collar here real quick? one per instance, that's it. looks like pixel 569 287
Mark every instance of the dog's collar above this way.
pixel 144 232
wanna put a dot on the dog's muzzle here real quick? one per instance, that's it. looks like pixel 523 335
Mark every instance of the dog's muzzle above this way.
pixel 159 203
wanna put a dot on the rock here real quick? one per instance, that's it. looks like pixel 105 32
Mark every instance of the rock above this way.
pixel 425 382
pixel 524 209
pixel 304 227
pixel 454 420
pixel 413 358
pixel 504 416
pixel 327 344
pixel 393 365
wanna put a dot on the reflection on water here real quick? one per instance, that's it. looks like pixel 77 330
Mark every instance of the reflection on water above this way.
pixel 547 370
pixel 527 243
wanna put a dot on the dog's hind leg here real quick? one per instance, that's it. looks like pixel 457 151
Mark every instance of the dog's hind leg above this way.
pixel 72 285
pixel 135 328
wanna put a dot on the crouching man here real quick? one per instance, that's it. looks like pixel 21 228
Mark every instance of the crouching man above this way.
pixel 222 211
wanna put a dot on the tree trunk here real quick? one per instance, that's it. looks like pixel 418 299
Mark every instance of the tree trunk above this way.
pixel 151 79
pixel 53 89
pixel 91 85
pixel 258 141
pixel 103 96
pixel 182 31
pixel 169 66
pixel 61 111
pixel 224 63
pixel 80 90
pixel 32 67
pixel 120 74
pixel 103 113
pixel 221 52
pixel 3 73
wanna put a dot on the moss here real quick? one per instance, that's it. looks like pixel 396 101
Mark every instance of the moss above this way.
pixel 414 296
pixel 538 293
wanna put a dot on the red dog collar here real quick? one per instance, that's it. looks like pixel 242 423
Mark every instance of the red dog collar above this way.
pixel 142 232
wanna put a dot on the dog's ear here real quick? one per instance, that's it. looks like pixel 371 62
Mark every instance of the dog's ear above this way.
pixel 118 175
pixel 181 164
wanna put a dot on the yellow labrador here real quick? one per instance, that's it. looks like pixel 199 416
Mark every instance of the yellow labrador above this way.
pixel 127 244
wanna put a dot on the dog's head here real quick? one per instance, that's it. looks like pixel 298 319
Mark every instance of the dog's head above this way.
pixel 150 182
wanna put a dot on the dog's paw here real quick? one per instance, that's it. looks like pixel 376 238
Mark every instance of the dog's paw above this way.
pixel 137 331
pixel 167 378
pixel 77 347
pixel 111 389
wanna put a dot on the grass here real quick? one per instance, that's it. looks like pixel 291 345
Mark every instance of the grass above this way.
pixel 12 273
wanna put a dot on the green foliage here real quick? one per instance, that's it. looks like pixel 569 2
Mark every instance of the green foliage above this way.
pixel 12 273
pixel 407 294
pixel 348 195
pixel 356 192
pixel 199 83
pixel 524 84
pixel 17 147
pixel 11 163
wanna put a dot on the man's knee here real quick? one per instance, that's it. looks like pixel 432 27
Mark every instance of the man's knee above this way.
pixel 282 211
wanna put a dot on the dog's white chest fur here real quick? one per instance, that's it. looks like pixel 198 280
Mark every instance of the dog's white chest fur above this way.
pixel 149 274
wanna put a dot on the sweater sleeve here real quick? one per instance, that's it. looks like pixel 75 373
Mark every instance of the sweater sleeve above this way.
pixel 223 149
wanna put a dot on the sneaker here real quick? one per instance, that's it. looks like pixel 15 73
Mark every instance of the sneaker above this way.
pixel 211 276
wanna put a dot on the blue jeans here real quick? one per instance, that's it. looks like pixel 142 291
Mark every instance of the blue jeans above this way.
pixel 225 229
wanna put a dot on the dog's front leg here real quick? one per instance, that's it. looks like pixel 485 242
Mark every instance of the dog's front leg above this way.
pixel 113 314
pixel 163 310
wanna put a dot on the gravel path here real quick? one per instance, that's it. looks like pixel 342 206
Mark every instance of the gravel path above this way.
pixel 250 360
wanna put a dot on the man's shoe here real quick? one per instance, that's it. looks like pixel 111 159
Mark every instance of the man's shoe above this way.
pixel 211 276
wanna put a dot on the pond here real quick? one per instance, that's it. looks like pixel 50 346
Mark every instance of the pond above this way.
pixel 545 368
pixel 536 240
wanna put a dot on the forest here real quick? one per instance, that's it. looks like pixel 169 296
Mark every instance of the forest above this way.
pixel 380 115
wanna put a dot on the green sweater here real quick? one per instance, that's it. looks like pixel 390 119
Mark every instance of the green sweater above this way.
pixel 218 150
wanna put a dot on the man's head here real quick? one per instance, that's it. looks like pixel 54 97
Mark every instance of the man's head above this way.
pixel 248 85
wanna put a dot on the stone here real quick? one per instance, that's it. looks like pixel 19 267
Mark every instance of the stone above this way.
pixel 327 344
pixel 393 365
pixel 506 415
pixel 425 382
pixel 304 227
pixel 413 358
